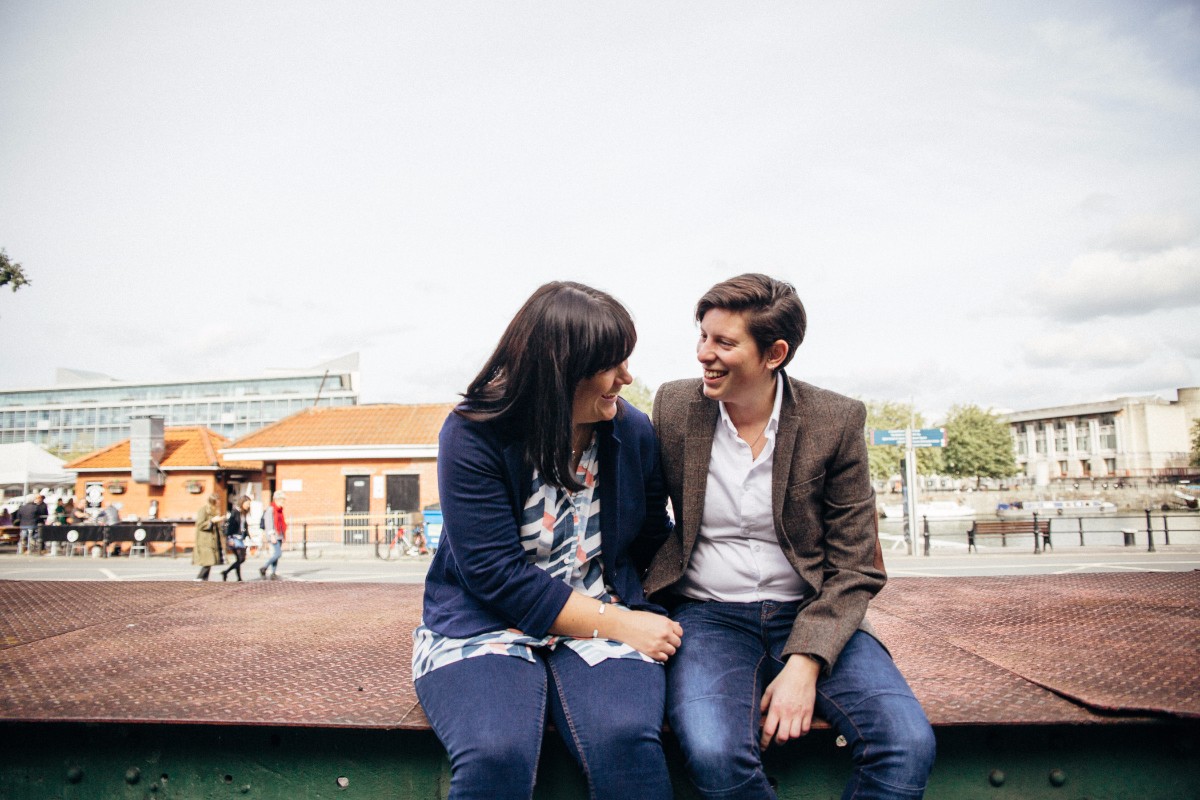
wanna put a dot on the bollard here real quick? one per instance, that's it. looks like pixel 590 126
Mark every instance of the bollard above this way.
pixel 925 520
pixel 304 543
pixel 377 540
pixel 1037 543
pixel 1149 532
pixel 1080 520
pixel 1166 532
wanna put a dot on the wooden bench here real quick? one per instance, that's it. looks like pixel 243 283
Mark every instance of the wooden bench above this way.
pixel 1011 527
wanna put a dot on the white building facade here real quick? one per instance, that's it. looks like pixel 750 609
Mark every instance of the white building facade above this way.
pixel 85 411
pixel 1129 437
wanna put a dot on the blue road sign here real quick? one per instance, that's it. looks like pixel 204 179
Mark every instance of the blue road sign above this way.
pixel 924 437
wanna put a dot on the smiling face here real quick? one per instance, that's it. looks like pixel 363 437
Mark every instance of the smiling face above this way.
pixel 596 397
pixel 736 372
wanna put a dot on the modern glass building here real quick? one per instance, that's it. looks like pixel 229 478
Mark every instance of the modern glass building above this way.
pixel 84 411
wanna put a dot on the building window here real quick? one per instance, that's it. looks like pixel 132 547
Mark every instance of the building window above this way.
pixel 1060 438
pixel 1083 436
pixel 1108 433
pixel 1062 469
pixel 1110 464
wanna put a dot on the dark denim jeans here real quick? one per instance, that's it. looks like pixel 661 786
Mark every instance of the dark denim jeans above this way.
pixel 490 713
pixel 731 651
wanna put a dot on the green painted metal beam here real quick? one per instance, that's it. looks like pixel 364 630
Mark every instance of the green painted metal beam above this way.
pixel 80 762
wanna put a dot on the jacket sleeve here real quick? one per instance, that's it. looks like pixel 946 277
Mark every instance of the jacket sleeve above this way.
pixel 851 577
pixel 481 528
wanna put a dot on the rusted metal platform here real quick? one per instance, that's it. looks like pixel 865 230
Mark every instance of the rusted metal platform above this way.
pixel 978 651
pixel 1111 652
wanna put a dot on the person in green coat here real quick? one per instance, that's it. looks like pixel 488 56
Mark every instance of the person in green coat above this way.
pixel 207 552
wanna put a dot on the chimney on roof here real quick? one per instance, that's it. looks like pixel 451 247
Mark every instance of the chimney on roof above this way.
pixel 147 446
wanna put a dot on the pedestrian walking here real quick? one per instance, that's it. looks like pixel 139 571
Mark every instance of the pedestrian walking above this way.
pixel 275 525
pixel 236 534
pixel 207 552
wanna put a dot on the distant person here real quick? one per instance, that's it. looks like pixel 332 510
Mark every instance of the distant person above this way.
pixel 236 533
pixel 29 518
pixel 275 525
pixel 60 513
pixel 6 519
pixel 207 551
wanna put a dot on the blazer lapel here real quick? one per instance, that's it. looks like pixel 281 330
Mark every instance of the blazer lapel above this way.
pixel 786 441
pixel 701 422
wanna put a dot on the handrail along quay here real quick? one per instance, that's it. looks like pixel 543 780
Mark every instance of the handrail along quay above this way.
pixel 1053 686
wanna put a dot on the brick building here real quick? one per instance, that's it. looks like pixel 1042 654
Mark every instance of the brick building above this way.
pixel 367 460
pixel 191 468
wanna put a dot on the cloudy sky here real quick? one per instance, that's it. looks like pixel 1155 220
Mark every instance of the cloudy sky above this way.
pixel 992 203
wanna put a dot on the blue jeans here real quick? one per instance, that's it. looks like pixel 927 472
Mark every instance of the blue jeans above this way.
pixel 490 713
pixel 27 540
pixel 732 651
pixel 273 562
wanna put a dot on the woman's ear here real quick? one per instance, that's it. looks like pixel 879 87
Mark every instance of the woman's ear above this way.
pixel 776 354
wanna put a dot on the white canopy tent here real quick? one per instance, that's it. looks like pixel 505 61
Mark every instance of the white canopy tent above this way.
pixel 26 468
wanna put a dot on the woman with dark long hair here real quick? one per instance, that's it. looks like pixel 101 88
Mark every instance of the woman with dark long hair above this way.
pixel 552 503
pixel 236 533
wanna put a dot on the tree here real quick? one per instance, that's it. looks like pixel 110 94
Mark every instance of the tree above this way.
pixel 639 395
pixel 11 272
pixel 978 444
pixel 885 459
pixel 1195 460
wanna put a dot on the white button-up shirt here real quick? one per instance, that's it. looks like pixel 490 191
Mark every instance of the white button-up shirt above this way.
pixel 737 557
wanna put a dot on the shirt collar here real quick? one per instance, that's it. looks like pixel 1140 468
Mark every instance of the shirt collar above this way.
pixel 772 423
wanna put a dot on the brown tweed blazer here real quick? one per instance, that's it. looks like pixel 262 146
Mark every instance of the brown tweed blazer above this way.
pixel 824 506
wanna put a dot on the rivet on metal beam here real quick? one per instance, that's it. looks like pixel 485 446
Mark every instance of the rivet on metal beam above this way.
pixel 133 775
pixel 996 777
pixel 74 774
pixel 343 782
pixel 1057 777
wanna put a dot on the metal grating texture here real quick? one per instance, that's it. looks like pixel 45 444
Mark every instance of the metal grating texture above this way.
pixel 977 651
pixel 1127 643
pixel 259 653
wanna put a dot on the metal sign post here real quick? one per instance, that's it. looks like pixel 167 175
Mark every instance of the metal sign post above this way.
pixel 911 439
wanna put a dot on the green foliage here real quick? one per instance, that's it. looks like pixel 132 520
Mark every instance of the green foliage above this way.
pixel 11 272
pixel 978 444
pixel 639 395
pixel 1195 460
pixel 885 458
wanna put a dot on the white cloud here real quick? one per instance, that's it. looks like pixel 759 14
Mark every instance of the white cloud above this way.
pixel 1081 348
pixel 1108 284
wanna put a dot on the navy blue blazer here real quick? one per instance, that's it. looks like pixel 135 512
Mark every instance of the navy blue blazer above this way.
pixel 480 579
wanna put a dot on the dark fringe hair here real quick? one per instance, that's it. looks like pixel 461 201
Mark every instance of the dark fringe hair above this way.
pixel 564 333
pixel 772 309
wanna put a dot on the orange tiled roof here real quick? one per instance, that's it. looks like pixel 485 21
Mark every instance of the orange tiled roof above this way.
pixel 185 447
pixel 382 424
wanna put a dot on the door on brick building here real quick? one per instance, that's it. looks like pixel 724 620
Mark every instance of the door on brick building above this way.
pixel 356 525
pixel 403 497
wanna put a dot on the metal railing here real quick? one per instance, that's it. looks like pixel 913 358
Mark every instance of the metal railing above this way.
pixel 388 535
pixel 1146 528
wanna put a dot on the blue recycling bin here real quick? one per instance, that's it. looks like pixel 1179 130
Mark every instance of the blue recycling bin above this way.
pixel 433 525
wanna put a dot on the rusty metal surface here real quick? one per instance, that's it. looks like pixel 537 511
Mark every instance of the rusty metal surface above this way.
pixel 1127 643
pixel 976 650
pixel 259 653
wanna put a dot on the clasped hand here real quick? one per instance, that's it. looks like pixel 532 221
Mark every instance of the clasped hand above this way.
pixel 653 634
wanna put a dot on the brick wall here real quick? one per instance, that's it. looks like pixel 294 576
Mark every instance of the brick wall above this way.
pixel 323 492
